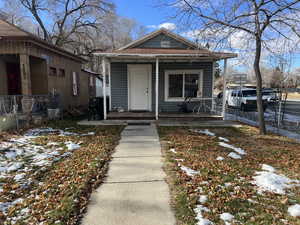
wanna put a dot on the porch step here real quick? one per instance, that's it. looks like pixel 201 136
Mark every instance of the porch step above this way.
pixel 131 116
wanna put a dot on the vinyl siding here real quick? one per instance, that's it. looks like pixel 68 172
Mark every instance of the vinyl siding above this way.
pixel 156 43
pixel 119 93
pixel 119 84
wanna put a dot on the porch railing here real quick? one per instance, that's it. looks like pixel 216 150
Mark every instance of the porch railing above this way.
pixel 18 104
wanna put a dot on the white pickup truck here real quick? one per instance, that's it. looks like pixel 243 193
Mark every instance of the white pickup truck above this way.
pixel 244 99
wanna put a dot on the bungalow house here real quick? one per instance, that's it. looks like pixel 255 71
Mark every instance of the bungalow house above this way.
pixel 30 66
pixel 157 73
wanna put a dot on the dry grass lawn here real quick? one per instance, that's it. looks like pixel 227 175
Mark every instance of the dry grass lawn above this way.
pixel 58 191
pixel 227 183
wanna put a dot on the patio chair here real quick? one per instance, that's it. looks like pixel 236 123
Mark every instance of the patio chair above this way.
pixel 202 106
pixel 184 106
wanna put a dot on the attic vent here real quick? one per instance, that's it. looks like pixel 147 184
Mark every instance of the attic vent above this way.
pixel 165 44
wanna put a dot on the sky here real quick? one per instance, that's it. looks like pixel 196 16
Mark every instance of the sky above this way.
pixel 149 14
pixel 153 16
pixel 146 12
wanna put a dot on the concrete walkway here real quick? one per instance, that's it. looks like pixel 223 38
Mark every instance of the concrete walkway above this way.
pixel 134 192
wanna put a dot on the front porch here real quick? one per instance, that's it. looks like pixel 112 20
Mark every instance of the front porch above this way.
pixel 22 74
pixel 162 116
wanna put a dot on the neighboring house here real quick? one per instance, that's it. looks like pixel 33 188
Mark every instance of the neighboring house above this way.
pixel 157 72
pixel 30 66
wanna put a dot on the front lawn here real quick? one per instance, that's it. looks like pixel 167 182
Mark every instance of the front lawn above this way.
pixel 47 174
pixel 232 176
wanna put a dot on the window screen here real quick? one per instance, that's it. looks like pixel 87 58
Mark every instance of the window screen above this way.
pixel 191 83
pixel 175 85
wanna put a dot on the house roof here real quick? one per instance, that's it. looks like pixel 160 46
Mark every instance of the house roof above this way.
pixel 158 32
pixel 9 31
pixel 133 50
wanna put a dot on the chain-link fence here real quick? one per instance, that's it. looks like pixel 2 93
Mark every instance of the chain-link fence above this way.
pixel 275 115
pixel 16 110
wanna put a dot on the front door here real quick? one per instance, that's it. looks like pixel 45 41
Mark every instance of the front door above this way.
pixel 139 87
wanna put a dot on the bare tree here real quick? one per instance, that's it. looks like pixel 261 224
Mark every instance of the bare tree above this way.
pixel 60 19
pixel 261 20
pixel 36 8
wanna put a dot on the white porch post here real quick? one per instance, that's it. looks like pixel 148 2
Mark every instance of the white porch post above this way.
pixel 104 87
pixel 156 88
pixel 224 89
pixel 109 81
pixel 213 85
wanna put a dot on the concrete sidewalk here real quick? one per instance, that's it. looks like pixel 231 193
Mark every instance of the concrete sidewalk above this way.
pixel 134 192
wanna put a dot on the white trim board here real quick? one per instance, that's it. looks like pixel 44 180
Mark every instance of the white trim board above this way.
pixel 148 68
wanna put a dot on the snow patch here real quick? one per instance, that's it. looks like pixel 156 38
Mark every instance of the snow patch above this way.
pixel 238 150
pixel 268 168
pixel 190 172
pixel 199 217
pixel 294 210
pixel 173 150
pixel 226 217
pixel 234 155
pixel 203 199
pixel 206 132
pixel 72 146
pixel 223 139
pixel 272 182
pixel 220 158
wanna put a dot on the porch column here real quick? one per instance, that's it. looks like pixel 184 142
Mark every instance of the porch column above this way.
pixel 109 84
pixel 104 87
pixel 25 74
pixel 213 85
pixel 224 89
pixel 156 88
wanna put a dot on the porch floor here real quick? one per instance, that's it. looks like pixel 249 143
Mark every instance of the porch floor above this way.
pixel 162 116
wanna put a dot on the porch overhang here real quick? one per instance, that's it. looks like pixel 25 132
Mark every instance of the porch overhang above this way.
pixel 195 56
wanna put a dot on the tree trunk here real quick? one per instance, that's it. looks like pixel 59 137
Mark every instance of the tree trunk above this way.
pixel 261 118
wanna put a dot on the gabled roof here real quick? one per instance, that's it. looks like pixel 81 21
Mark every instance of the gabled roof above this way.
pixel 164 31
pixel 192 51
pixel 9 31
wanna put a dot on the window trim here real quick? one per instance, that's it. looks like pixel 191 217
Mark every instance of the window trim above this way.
pixel 183 72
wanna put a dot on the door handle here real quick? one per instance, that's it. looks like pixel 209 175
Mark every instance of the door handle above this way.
pixel 147 91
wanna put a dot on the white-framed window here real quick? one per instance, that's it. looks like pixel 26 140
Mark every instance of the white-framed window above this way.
pixel 180 84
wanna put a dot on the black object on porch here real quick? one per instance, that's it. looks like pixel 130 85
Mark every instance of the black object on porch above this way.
pixel 96 108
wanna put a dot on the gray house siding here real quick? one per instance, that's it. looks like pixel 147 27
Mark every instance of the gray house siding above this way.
pixel 119 92
pixel 156 43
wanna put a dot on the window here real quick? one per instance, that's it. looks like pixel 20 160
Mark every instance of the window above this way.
pixel 175 85
pixel 75 84
pixel 61 73
pixel 53 71
pixel 249 93
pixel 182 84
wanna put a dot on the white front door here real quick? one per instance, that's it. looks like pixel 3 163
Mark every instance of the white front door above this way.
pixel 139 87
